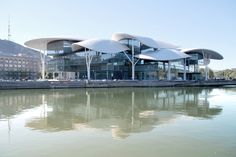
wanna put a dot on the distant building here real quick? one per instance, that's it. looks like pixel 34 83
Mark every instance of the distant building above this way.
pixel 18 62
pixel 19 68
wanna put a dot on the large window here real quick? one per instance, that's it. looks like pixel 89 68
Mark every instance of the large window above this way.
pixel 59 47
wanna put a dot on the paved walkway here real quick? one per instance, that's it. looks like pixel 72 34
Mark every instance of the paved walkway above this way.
pixel 109 84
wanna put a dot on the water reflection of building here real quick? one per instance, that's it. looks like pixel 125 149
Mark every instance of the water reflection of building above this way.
pixel 122 111
pixel 14 102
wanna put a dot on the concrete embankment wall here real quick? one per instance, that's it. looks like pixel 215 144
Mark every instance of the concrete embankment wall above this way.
pixel 107 84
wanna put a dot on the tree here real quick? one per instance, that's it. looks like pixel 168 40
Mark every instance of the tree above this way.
pixel 226 74
pixel 211 72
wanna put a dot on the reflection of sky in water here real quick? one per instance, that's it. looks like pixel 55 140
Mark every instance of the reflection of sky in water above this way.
pixel 147 115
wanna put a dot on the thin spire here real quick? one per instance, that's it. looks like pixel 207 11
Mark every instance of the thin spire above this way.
pixel 9 28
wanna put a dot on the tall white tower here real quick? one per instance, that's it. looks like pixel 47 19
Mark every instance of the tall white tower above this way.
pixel 9 29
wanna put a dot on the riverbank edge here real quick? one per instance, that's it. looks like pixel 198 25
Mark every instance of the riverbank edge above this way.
pixel 110 84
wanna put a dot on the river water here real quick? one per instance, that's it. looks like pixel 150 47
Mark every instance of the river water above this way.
pixel 118 122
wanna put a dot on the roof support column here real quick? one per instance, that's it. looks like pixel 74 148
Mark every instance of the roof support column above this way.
pixel 184 69
pixel 206 61
pixel 133 69
pixel 206 72
pixel 168 75
pixel 88 58
pixel 133 63
pixel 43 60
pixel 132 58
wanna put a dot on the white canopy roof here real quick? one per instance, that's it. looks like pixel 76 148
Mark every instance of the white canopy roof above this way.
pixel 41 43
pixel 165 45
pixel 144 40
pixel 100 45
pixel 206 52
pixel 162 55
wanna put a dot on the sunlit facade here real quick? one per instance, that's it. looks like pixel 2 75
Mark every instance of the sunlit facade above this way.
pixel 107 66
pixel 66 63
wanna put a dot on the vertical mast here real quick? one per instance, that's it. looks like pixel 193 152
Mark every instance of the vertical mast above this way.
pixel 9 29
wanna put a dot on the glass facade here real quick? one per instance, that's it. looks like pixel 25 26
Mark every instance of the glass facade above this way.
pixel 115 66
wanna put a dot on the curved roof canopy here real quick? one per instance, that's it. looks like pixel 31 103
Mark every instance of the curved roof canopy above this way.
pixel 204 52
pixel 163 55
pixel 165 45
pixel 41 43
pixel 144 40
pixel 100 45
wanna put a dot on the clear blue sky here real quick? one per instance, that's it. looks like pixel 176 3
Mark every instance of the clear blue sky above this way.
pixel 189 23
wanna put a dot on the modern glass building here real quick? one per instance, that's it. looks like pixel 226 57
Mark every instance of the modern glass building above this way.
pixel 124 57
